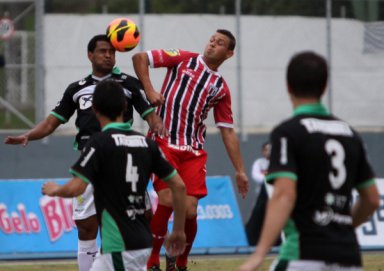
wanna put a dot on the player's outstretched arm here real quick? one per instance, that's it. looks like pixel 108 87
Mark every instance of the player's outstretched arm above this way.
pixel 42 129
pixel 232 146
pixel 140 64
pixel 365 206
pixel 279 209
pixel 175 242
pixel 156 124
pixel 72 188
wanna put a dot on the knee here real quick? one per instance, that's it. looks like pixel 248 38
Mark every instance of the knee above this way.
pixel 87 228
pixel 165 197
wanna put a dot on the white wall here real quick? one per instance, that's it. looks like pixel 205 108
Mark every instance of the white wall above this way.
pixel 267 43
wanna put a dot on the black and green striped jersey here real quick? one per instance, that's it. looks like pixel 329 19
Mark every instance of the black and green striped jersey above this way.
pixel 327 159
pixel 118 162
pixel 78 97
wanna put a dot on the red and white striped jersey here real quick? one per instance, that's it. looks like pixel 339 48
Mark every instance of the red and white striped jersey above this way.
pixel 190 90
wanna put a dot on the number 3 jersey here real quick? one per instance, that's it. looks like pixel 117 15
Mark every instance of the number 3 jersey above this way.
pixel 118 162
pixel 326 158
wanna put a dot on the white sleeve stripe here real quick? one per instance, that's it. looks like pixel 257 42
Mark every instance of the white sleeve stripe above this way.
pixel 224 124
pixel 150 59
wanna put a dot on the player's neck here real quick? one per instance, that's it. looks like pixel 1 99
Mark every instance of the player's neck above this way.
pixel 104 121
pixel 213 65
pixel 300 101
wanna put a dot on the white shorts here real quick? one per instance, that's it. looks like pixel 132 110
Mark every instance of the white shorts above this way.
pixel 131 260
pixel 301 265
pixel 84 206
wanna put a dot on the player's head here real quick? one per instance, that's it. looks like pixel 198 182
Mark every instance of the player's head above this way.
pixel 266 149
pixel 101 54
pixel 307 75
pixel 230 36
pixel 109 99
pixel 220 47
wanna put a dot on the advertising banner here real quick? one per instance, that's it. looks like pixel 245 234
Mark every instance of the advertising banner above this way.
pixel 32 225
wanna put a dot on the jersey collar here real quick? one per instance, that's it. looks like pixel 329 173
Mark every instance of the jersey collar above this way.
pixel 125 126
pixel 115 71
pixel 311 109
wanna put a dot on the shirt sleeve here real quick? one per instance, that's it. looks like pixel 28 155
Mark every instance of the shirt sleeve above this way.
pixel 222 110
pixel 282 162
pixel 257 172
pixel 66 107
pixel 161 166
pixel 168 58
pixel 365 173
pixel 138 98
pixel 87 166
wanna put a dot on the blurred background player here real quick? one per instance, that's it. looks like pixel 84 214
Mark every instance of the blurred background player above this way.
pixel 192 87
pixel 316 161
pixel 78 97
pixel 118 162
pixel 258 173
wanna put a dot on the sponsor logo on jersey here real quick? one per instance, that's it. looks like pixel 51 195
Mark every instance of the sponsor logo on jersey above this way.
pixel 82 82
pixel 326 216
pixel 85 101
pixel 172 52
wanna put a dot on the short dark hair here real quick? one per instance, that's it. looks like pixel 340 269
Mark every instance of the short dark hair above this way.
pixel 109 99
pixel 93 42
pixel 307 75
pixel 232 39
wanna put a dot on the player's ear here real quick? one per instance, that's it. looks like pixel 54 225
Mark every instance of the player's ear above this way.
pixel 230 53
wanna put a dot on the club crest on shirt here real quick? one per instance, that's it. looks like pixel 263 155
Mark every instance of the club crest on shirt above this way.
pixel 172 52
pixel 213 90
pixel 85 101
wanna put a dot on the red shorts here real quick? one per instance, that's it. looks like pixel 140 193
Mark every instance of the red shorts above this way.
pixel 189 163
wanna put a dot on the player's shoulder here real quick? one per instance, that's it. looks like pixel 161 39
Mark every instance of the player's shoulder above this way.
pixel 124 78
pixel 83 82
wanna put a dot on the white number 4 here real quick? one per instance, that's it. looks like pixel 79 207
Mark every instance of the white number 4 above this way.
pixel 131 175
pixel 336 151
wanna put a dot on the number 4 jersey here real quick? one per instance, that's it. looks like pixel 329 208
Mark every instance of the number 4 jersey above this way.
pixel 326 158
pixel 118 162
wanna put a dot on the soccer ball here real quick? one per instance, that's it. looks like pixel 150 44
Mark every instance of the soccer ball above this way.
pixel 123 34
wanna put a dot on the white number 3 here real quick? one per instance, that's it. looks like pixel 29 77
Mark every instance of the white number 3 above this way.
pixel 336 151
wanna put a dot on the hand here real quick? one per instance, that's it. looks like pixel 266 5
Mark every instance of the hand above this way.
pixel 242 183
pixel 16 140
pixel 155 98
pixel 50 189
pixel 156 125
pixel 252 264
pixel 175 243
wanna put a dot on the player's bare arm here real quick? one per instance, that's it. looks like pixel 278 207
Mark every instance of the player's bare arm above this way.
pixel 72 188
pixel 279 209
pixel 367 203
pixel 175 243
pixel 41 130
pixel 156 125
pixel 232 146
pixel 140 64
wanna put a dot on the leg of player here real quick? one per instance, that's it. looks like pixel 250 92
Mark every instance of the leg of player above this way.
pixel 190 232
pixel 87 246
pixel 84 214
pixel 159 226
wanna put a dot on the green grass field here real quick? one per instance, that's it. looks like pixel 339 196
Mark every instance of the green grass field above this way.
pixel 372 262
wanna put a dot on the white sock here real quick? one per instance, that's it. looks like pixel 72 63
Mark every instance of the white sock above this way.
pixel 86 254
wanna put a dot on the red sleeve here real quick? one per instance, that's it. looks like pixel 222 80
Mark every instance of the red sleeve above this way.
pixel 222 110
pixel 168 58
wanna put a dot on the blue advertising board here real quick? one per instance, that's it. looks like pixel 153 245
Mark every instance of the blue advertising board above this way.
pixel 32 225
